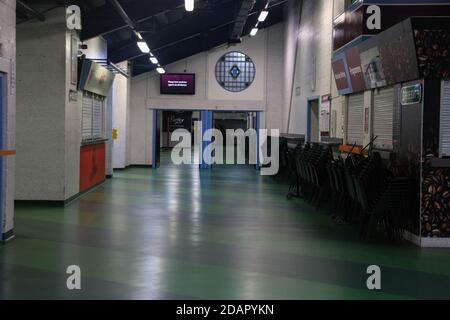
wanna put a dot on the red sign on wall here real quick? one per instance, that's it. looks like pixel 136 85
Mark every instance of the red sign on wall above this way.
pixel 355 70
pixel 340 74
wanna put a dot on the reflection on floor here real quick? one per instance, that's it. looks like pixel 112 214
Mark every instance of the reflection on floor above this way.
pixel 180 233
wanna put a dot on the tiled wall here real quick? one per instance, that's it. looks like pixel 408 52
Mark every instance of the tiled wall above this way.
pixel 7 65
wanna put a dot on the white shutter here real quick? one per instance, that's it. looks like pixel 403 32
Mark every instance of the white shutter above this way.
pixel 98 119
pixel 383 118
pixel 93 117
pixel 444 140
pixel 87 119
pixel 355 122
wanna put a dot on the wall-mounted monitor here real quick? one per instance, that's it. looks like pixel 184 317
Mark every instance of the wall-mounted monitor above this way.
pixel 178 83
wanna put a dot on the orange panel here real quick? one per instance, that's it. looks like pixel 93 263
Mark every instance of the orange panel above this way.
pixel 92 165
pixel 348 148
pixel 7 152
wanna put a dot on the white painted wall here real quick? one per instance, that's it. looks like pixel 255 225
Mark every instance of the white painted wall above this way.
pixel 97 48
pixel 266 50
pixel 48 124
pixel 7 66
pixel 121 108
pixel 312 40
pixel 313 68
pixel 41 109
pixel 291 32
pixel 73 115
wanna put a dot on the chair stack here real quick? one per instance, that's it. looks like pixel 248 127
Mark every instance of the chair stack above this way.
pixel 359 189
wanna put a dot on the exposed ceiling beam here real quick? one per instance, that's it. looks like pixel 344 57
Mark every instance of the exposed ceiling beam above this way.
pixel 216 37
pixel 241 19
pixel 124 16
pixel 201 21
pixel 105 19
pixel 31 10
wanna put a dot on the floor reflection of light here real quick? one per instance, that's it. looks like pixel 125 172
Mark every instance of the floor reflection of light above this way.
pixel 196 208
pixel 150 275
pixel 173 205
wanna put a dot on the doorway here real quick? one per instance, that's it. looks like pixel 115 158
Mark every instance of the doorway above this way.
pixel 313 120
pixel 165 123
pixel 229 120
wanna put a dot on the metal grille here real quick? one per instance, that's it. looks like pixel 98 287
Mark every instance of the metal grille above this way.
pixel 355 123
pixel 235 71
pixel 383 118
pixel 93 117
pixel 444 141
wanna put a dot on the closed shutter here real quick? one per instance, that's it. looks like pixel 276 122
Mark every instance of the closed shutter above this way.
pixel 87 116
pixel 383 118
pixel 98 129
pixel 444 140
pixel 93 117
pixel 355 123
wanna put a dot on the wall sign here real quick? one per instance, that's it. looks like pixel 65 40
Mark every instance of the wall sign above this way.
pixel 411 95
pixel 363 19
pixel 325 109
pixel 73 96
pixel 340 75
pixel 177 83
pixel 355 69
pixel 96 78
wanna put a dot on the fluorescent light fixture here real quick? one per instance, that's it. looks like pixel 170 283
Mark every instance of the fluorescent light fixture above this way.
pixel 263 16
pixel 139 36
pixel 254 32
pixel 143 46
pixel 160 70
pixel 189 5
pixel 154 60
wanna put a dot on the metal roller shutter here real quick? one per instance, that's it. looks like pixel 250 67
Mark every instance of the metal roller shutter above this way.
pixel 93 117
pixel 355 123
pixel 383 118
pixel 98 128
pixel 86 129
pixel 444 141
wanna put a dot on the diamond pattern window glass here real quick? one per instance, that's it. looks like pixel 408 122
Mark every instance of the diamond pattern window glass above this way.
pixel 235 71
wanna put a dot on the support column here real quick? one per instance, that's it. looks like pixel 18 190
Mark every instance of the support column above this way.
pixel 206 117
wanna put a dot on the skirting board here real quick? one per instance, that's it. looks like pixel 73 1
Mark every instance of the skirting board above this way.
pixel 57 203
pixel 8 236
pixel 426 242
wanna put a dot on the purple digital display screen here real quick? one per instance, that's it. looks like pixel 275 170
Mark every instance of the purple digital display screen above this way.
pixel 178 83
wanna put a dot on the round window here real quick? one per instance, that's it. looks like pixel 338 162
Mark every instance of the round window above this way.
pixel 235 71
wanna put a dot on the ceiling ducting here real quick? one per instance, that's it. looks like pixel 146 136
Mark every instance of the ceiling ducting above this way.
pixel 241 20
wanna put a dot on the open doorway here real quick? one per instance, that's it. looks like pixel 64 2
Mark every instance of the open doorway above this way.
pixel 313 120
pixel 166 123
pixel 232 121
pixel 198 123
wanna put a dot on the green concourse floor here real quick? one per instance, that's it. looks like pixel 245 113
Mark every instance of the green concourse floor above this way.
pixel 178 233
